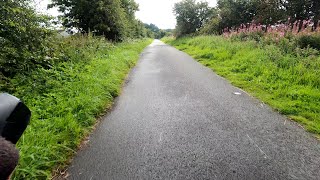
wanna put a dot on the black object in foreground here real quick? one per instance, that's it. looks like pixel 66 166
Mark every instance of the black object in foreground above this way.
pixel 14 117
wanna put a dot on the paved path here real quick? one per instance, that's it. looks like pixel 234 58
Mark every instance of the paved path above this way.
pixel 177 119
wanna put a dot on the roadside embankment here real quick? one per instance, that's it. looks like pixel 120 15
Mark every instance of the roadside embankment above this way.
pixel 287 81
pixel 67 98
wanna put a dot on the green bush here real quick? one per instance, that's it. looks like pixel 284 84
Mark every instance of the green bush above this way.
pixel 312 41
pixel 25 39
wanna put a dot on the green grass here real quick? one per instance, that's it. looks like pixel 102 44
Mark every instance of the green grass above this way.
pixel 288 82
pixel 66 100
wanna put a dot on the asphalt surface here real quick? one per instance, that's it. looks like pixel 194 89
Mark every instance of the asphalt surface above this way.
pixel 176 119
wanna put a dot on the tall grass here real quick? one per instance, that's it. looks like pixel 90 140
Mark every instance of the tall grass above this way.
pixel 66 99
pixel 287 80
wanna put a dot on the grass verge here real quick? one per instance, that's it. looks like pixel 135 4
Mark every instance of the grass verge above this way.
pixel 66 99
pixel 288 82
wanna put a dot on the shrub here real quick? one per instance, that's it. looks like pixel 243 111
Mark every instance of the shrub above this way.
pixel 305 41
pixel 24 39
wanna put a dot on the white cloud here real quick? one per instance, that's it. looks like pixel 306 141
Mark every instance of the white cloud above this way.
pixel 158 12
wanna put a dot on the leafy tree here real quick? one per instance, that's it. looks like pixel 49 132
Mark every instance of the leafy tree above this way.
pixel 112 18
pixel 282 9
pixel 161 34
pixel 269 12
pixel 315 9
pixel 139 31
pixel 134 28
pixel 297 9
pixel 152 27
pixel 191 16
pixel 24 38
pixel 212 27
pixel 236 12
pixel 232 13
pixel 130 7
pixel 155 31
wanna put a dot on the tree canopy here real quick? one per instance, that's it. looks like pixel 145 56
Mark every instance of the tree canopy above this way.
pixel 191 16
pixel 233 13
pixel 114 19
pixel 155 32
pixel 23 38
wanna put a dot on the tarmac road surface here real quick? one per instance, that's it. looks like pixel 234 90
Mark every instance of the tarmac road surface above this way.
pixel 176 119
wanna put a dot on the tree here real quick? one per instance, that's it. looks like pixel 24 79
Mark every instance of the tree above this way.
pixel 153 29
pixel 297 9
pixel 270 11
pixel 134 28
pixel 315 9
pixel 191 16
pixel 112 18
pixel 138 31
pixel 233 13
pixel 212 27
pixel 24 38
pixel 236 12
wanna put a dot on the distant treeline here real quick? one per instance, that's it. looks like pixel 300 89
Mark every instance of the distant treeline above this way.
pixel 198 17
pixel 154 32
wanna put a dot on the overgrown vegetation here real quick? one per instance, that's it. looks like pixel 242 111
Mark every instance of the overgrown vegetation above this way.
pixel 195 19
pixel 67 82
pixel 24 39
pixel 280 74
pixel 66 100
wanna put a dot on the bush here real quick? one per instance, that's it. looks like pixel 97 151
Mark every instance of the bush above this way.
pixel 211 27
pixel 24 39
pixel 312 41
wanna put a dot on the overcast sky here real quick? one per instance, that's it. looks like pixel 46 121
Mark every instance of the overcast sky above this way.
pixel 158 12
